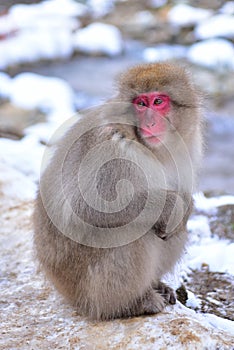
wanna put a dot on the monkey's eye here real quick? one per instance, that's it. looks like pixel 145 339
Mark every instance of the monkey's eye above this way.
pixel 158 101
pixel 141 104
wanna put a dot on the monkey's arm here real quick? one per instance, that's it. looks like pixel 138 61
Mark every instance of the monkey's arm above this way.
pixel 174 216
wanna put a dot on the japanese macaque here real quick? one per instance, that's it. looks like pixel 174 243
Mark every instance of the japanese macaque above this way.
pixel 114 199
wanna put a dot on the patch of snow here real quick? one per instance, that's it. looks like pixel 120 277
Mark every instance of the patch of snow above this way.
pixel 158 3
pixel 227 8
pixel 31 91
pixel 209 204
pixel 144 18
pixel 23 13
pixel 99 38
pixel 193 302
pixel 5 82
pixel 217 254
pixel 35 44
pixel 220 323
pixel 221 25
pixel 100 8
pixel 183 15
pixel 164 52
pixel 39 31
pixel 199 226
pixel 204 248
pixel 213 53
pixel 25 156
pixel 15 184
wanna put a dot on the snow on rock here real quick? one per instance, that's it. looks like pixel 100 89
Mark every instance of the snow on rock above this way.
pixel 28 301
pixel 157 3
pixel 100 8
pixel 221 25
pixel 99 38
pixel 14 184
pixel 212 53
pixel 31 91
pixel 193 302
pixel 199 226
pixel 204 247
pixel 217 254
pixel 25 155
pixel 35 44
pixel 209 204
pixel 5 82
pixel 22 14
pixel 38 31
pixel 228 8
pixel 144 18
pixel 220 323
pixel 164 52
pixel 183 15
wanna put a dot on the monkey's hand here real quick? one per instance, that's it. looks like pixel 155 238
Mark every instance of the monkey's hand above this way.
pixel 174 216
pixel 120 131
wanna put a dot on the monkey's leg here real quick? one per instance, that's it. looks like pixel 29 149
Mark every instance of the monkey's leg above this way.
pixel 166 292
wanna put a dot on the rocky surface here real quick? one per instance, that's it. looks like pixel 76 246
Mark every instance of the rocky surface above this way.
pixel 34 316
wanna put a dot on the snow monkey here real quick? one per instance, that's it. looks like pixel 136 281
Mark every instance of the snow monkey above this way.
pixel 114 199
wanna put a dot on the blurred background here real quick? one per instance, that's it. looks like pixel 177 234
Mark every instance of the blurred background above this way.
pixel 59 56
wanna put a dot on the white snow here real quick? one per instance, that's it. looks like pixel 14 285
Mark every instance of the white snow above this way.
pixel 212 53
pixel 183 15
pixel 99 38
pixel 24 156
pixel 206 248
pixel 157 3
pixel 15 184
pixel 220 323
pixel 164 52
pixel 30 91
pixel 209 204
pixel 228 8
pixel 5 82
pixel 144 18
pixel 199 227
pixel 100 8
pixel 39 31
pixel 193 301
pixel 221 25
pixel 213 252
pixel 21 14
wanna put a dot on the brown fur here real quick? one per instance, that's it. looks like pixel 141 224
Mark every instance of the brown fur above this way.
pixel 105 283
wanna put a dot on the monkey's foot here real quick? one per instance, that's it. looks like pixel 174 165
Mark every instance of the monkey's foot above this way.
pixel 166 292
pixel 150 303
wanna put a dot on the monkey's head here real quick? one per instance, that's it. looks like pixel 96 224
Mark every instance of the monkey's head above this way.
pixel 163 101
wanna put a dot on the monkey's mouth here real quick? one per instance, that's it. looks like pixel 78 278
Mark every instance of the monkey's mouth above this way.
pixel 154 139
pixel 150 137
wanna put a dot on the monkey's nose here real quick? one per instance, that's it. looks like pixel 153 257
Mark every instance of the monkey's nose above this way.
pixel 150 124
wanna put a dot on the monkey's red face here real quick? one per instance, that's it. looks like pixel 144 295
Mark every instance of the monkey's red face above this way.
pixel 151 111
